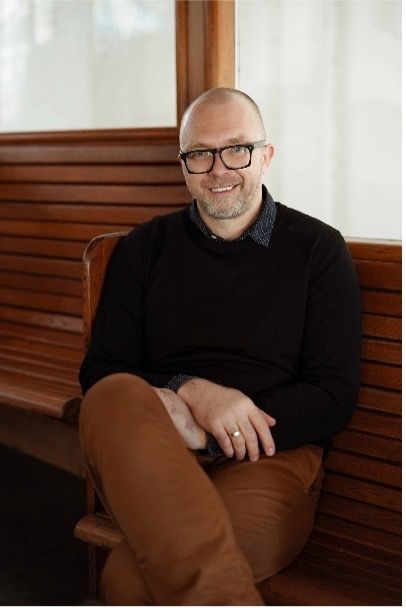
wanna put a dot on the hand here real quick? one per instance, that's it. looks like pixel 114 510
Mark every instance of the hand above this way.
pixel 222 410
pixel 192 434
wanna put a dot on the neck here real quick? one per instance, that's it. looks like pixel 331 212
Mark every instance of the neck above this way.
pixel 231 229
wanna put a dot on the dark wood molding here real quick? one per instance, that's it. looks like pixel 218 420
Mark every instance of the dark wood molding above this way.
pixel 205 48
pixel 89 136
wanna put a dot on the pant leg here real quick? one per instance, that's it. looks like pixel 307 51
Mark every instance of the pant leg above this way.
pixel 173 519
pixel 121 581
pixel 271 504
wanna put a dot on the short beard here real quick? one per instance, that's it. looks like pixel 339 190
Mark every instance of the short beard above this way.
pixel 214 212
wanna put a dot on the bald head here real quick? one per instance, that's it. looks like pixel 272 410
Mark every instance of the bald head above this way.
pixel 218 97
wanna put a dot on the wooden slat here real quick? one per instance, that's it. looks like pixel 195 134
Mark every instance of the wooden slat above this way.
pixel 375 250
pixel 370 445
pixel 380 400
pixel 98 174
pixel 83 213
pixel 41 351
pixel 41 319
pixel 382 351
pixel 384 327
pixel 66 369
pixel 60 249
pixel 25 393
pixel 40 284
pixel 365 492
pixel 9 330
pixel 381 302
pixel 39 371
pixel 369 568
pixel 364 514
pixel 377 423
pixel 383 542
pixel 142 152
pixel 66 389
pixel 378 274
pixel 41 301
pixel 352 570
pixel 41 265
pixel 303 585
pixel 364 468
pixel 125 194
pixel 370 592
pixel 64 231
pixel 385 376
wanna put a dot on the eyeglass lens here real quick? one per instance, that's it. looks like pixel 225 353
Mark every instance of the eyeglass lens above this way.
pixel 233 157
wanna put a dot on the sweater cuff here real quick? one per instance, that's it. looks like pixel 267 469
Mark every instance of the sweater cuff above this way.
pixel 177 381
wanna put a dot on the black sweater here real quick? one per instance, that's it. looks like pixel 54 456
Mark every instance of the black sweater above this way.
pixel 281 324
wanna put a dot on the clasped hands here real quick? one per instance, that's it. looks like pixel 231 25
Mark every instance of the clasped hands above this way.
pixel 201 405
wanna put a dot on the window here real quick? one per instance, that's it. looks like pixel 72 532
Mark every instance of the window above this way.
pixel 88 64
pixel 327 76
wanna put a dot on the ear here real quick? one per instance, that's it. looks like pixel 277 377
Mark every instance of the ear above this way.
pixel 267 154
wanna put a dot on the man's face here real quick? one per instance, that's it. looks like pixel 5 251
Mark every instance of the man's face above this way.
pixel 214 126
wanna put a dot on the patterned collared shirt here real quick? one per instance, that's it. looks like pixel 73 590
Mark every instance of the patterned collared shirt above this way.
pixel 260 231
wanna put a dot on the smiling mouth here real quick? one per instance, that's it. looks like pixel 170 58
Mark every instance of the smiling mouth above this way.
pixel 222 189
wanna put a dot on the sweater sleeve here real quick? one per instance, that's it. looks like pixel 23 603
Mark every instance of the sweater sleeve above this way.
pixel 320 402
pixel 117 343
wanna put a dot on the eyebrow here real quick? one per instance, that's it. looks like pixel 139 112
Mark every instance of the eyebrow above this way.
pixel 229 142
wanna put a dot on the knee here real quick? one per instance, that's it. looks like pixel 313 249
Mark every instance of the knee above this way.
pixel 104 401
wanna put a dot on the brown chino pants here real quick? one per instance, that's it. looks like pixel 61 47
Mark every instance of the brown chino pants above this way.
pixel 197 531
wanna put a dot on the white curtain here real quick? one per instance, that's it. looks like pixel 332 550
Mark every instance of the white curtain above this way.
pixel 327 77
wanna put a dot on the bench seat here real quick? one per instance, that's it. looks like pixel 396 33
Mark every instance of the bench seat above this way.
pixel 38 369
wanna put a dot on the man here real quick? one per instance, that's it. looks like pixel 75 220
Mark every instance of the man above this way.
pixel 225 354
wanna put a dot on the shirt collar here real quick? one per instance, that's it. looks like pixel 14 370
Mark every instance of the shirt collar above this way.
pixel 260 231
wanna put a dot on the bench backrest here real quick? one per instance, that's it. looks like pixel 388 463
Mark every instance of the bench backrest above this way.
pixel 54 198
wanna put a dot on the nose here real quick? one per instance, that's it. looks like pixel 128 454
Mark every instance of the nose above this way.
pixel 218 167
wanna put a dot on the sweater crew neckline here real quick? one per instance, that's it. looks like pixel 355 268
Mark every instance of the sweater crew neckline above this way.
pixel 224 246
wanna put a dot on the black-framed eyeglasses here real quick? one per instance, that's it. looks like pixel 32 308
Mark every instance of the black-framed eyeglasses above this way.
pixel 234 157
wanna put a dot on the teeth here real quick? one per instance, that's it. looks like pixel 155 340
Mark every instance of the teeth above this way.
pixel 222 189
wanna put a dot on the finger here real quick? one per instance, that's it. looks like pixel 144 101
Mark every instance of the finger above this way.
pixel 271 421
pixel 238 441
pixel 224 441
pixel 251 440
pixel 262 429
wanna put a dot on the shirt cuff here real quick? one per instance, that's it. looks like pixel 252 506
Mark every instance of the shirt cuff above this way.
pixel 213 449
pixel 177 381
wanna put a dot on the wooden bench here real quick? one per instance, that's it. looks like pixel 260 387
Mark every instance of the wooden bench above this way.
pixel 54 198
pixel 354 554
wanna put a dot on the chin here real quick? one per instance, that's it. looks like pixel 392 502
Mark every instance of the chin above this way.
pixel 223 210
